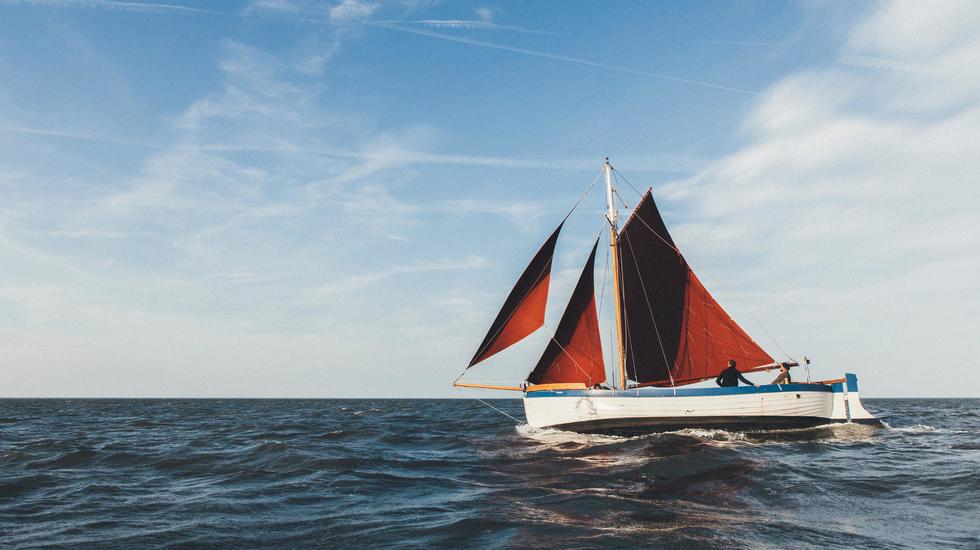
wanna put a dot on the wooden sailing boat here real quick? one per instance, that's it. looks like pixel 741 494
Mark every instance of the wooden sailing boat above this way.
pixel 670 333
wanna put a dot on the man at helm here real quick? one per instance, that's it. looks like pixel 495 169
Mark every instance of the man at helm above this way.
pixel 729 377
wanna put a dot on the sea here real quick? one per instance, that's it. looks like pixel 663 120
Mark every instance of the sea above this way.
pixel 459 473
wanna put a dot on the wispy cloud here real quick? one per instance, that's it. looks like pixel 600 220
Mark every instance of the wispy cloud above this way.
pixel 405 154
pixel 468 24
pixel 557 57
pixel 116 5
pixel 352 10
pixel 871 62
pixel 359 281
pixel 45 132
pixel 85 233
pixel 741 43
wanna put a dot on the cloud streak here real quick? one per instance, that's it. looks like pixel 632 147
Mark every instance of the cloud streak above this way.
pixel 557 57
pixel 360 281
pixel 665 162
pixel 116 5
pixel 469 24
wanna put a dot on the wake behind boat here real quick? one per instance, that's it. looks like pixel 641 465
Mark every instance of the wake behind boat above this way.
pixel 670 333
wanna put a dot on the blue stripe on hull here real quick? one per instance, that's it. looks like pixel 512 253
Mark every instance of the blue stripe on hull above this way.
pixel 692 392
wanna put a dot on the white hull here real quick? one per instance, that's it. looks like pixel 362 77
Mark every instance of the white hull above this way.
pixel 743 408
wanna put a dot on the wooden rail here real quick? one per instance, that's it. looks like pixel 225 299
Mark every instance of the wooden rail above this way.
pixel 486 386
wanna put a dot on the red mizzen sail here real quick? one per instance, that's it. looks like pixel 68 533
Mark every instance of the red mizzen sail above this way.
pixel 574 354
pixel 675 331
pixel 523 311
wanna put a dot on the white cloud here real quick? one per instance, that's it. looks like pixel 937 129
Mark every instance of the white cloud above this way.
pixel 909 30
pixel 352 10
pixel 861 189
pixel 280 6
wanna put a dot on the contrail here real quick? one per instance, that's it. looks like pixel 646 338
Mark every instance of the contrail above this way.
pixel 546 55
pixel 119 5
pixel 468 24
pixel 740 43
pixel 667 163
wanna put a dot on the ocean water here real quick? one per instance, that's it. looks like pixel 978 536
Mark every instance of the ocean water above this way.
pixel 455 473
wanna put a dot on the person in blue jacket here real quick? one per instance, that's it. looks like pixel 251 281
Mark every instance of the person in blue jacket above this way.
pixel 729 377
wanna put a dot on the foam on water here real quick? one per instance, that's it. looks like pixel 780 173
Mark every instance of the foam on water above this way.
pixel 551 436
pixel 711 435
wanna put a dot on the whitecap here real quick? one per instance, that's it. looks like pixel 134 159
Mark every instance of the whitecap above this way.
pixel 552 436
pixel 923 429
pixel 710 434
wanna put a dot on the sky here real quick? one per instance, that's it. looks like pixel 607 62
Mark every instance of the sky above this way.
pixel 301 198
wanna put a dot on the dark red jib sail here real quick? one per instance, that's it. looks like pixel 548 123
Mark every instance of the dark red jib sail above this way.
pixel 574 354
pixel 523 311
pixel 674 330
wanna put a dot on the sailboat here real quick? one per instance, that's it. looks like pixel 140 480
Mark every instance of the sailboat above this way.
pixel 670 333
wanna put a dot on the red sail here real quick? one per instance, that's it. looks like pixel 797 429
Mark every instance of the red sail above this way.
pixel 574 354
pixel 523 311
pixel 674 329
pixel 711 338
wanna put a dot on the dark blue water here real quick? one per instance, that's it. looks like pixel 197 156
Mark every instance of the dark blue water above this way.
pixel 447 473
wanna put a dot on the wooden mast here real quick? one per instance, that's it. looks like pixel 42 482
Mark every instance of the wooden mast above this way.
pixel 611 215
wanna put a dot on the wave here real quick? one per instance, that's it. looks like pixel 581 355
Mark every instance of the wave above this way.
pixel 924 429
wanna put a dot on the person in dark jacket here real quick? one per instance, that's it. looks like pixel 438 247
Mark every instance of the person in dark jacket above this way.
pixel 730 376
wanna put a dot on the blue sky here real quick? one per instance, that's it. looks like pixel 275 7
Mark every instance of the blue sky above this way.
pixel 304 198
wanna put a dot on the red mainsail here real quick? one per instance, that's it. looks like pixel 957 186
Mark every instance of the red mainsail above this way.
pixel 674 330
pixel 523 310
pixel 574 354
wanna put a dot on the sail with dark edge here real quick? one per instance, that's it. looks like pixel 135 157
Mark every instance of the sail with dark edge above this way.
pixel 574 354
pixel 523 310
pixel 674 330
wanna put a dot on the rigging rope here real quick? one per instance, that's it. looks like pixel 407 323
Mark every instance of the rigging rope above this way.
pixel 602 295
pixel 588 375
pixel 582 198
pixel 635 190
pixel 627 339
pixel 620 197
pixel 602 290
pixel 498 410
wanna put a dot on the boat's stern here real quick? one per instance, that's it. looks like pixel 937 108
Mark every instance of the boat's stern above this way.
pixel 847 406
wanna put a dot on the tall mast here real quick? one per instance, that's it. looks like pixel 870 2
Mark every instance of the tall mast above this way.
pixel 611 215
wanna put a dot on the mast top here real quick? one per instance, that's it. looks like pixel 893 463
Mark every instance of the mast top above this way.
pixel 611 214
